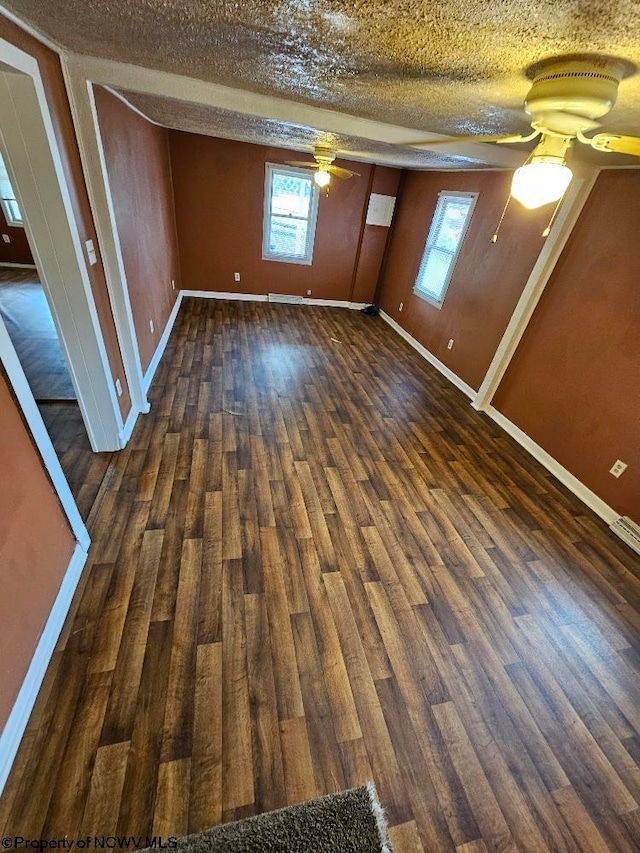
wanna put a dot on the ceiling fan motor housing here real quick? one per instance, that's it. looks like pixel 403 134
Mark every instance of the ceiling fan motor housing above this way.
pixel 324 155
pixel 584 86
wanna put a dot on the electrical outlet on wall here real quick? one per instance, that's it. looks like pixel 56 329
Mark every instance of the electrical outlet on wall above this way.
pixel 618 468
pixel 151 326
pixel 450 344
pixel 236 276
pixel 308 293
pixel 119 387
pixel 173 284
pixel 401 306
pixel 6 238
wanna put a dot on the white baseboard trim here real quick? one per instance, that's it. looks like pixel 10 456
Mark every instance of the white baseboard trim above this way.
pixel 334 303
pixel 162 344
pixel 21 711
pixel 18 266
pixel 262 297
pixel 424 352
pixel 221 294
pixel 559 472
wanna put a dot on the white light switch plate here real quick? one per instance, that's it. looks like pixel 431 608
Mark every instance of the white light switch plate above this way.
pixel 91 252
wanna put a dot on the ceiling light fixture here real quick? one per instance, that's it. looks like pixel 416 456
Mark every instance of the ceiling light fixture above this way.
pixel 322 178
pixel 545 177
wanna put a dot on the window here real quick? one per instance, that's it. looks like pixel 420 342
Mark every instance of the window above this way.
pixel 448 227
pixel 290 212
pixel 8 198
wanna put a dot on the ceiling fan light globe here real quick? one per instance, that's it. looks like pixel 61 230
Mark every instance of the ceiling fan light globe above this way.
pixel 322 178
pixel 537 184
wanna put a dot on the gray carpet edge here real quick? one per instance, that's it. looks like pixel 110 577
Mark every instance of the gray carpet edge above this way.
pixel 351 820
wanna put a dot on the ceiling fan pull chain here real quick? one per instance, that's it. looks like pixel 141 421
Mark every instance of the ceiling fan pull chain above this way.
pixel 494 238
pixel 546 231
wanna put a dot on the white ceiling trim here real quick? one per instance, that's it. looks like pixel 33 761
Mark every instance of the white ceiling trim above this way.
pixel 131 106
pixel 165 85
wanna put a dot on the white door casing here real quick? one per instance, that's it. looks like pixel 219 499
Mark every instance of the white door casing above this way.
pixel 35 168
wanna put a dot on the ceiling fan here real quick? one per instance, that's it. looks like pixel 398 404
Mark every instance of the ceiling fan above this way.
pixel 323 167
pixel 567 97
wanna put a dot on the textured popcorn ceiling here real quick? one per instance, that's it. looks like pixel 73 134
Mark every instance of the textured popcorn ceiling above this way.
pixel 448 66
pixel 211 121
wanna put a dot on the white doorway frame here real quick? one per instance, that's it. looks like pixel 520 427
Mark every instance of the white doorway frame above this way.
pixel 35 168
pixel 88 134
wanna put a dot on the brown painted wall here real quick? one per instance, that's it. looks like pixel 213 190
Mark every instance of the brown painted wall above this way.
pixel 488 278
pixel 55 91
pixel 139 168
pixel 374 238
pixel 17 251
pixel 219 195
pixel 574 383
pixel 35 547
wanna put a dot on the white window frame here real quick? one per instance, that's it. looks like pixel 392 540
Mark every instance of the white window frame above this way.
pixel 4 202
pixel 443 196
pixel 278 168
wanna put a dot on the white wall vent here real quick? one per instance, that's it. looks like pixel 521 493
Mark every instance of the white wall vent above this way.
pixel 628 531
pixel 285 297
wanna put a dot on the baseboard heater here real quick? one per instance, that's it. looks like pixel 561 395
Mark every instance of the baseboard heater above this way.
pixel 284 297
pixel 628 531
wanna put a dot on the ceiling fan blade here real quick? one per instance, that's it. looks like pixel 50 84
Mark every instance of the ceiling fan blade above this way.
pixel 341 173
pixel 302 164
pixel 456 140
pixel 614 142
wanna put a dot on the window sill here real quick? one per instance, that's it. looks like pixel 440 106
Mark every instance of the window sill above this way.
pixel 305 262
pixel 430 299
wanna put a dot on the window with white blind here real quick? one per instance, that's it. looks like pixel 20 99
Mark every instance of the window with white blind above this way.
pixel 290 213
pixel 8 201
pixel 448 228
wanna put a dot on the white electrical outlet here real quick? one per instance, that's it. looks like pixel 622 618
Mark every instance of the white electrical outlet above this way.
pixel 450 344
pixel 6 238
pixel 151 326
pixel 236 276
pixel 618 468
pixel 119 387
pixel 308 293
pixel 91 252
pixel 173 284
pixel 401 306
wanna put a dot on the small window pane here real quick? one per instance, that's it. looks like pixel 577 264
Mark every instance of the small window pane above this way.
pixel 447 231
pixel 288 236
pixel 8 197
pixel 6 190
pixel 291 195
pixel 435 272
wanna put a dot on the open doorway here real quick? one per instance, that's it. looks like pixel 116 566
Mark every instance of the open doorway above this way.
pixel 26 313
pixel 49 331
pixel 27 316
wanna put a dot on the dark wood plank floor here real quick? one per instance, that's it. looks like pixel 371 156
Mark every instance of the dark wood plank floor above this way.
pixel 316 564
pixel 84 469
